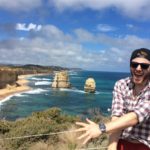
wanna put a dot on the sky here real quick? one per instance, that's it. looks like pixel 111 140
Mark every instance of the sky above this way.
pixel 95 35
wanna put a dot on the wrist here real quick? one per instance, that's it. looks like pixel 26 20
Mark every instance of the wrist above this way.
pixel 102 127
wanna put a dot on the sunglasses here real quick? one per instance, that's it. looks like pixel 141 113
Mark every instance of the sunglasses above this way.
pixel 143 65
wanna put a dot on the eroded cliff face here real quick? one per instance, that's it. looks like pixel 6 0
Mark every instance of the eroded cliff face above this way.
pixel 61 80
pixel 7 77
pixel 90 85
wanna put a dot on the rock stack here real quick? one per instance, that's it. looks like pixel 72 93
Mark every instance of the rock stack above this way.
pixel 90 85
pixel 61 80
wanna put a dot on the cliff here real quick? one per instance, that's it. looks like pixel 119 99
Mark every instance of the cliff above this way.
pixel 61 80
pixel 7 77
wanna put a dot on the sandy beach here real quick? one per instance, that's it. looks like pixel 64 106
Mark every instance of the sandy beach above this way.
pixel 9 90
pixel 23 86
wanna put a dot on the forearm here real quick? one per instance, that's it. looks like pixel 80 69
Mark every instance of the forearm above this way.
pixel 113 138
pixel 122 122
pixel 92 130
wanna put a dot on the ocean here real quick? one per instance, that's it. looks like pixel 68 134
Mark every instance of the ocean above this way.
pixel 72 101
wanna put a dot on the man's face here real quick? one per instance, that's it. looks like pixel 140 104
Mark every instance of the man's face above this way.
pixel 140 70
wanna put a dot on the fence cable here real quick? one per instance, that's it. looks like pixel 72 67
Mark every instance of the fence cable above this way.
pixel 54 133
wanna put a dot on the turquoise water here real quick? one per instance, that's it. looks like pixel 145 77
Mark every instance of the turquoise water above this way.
pixel 72 101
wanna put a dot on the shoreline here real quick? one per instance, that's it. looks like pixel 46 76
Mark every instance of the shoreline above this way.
pixel 22 83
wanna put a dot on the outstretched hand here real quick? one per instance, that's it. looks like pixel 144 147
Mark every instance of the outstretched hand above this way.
pixel 91 130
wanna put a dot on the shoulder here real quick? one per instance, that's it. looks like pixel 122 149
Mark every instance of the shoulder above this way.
pixel 123 82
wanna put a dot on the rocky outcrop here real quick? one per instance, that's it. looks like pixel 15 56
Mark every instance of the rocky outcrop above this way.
pixel 9 73
pixel 90 85
pixel 7 77
pixel 61 80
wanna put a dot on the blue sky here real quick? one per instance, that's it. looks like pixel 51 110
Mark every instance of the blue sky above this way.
pixel 89 34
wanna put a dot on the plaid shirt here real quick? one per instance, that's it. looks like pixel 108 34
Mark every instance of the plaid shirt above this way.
pixel 124 102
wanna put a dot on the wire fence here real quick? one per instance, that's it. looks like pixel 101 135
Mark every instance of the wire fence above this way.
pixel 49 134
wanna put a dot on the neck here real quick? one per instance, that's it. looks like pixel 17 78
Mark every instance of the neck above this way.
pixel 143 84
pixel 139 87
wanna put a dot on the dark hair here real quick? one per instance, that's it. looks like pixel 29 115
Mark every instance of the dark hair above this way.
pixel 141 53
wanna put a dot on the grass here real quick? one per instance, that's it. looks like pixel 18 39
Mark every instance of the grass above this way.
pixel 46 122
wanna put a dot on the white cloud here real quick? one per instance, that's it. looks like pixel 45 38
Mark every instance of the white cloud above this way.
pixel 134 9
pixel 105 28
pixel 31 26
pixel 21 5
pixel 51 46
pixel 134 28
pixel 130 26
pixel 137 9
pixel 84 35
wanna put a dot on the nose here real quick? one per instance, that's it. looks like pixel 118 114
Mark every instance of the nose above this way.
pixel 139 67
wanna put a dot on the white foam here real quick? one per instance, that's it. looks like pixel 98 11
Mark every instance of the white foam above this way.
pixel 34 78
pixel 20 95
pixel 39 79
pixel 72 90
pixel 43 83
pixel 5 99
pixel 82 91
pixel 76 77
pixel 45 79
pixel 35 91
pixel 106 93
pixel 73 73
pixel 97 92
pixel 9 97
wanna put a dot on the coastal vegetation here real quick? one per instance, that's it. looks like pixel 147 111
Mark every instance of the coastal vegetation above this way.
pixel 44 127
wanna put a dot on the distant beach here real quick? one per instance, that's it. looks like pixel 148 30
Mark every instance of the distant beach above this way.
pixel 12 89
pixel 22 86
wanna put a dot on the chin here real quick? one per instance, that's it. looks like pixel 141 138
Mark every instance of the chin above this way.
pixel 138 81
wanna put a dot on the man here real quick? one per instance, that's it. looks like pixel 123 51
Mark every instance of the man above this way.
pixel 130 125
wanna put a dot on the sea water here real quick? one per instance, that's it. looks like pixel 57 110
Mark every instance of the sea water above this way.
pixel 72 101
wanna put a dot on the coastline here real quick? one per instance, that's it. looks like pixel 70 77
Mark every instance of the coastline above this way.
pixel 13 89
pixel 23 86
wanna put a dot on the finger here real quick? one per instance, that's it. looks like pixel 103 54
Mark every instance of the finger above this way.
pixel 80 129
pixel 86 140
pixel 89 121
pixel 83 135
pixel 81 124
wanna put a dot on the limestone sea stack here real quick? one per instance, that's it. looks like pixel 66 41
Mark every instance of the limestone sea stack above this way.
pixel 90 85
pixel 61 80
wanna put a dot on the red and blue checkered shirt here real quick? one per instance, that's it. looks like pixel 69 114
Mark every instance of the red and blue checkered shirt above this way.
pixel 124 102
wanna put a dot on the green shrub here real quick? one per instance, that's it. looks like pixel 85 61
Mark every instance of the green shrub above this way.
pixel 46 122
